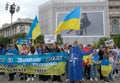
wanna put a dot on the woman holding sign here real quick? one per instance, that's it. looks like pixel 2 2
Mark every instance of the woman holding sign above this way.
pixel 32 52
pixel 55 48
pixel 45 50
pixel 12 51
pixel 39 48
pixel 23 51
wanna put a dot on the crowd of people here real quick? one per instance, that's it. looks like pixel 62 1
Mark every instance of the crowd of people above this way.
pixel 77 69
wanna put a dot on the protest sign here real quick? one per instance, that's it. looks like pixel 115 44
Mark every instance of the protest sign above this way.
pixel 44 64
pixel 109 42
pixel 49 39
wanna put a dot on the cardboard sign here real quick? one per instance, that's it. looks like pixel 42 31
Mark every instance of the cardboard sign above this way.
pixel 109 42
pixel 49 39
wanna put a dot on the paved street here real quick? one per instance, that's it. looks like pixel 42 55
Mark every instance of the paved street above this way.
pixel 5 80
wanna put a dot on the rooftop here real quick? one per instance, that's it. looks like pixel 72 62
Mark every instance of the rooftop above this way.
pixel 19 20
pixel 68 1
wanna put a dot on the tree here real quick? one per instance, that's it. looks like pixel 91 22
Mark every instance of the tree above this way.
pixel 19 35
pixel 5 40
pixel 59 39
pixel 39 39
pixel 116 40
pixel 95 44
pixel 102 41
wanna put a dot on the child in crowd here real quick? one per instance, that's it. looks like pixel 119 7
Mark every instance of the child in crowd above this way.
pixel 106 67
pixel 111 60
pixel 116 64
pixel 93 66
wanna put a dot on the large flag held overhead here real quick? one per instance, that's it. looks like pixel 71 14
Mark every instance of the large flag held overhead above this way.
pixel 70 22
pixel 34 31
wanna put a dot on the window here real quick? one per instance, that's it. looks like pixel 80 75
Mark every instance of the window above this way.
pixel 115 26
pixel 22 29
pixel 15 29
pixel 12 30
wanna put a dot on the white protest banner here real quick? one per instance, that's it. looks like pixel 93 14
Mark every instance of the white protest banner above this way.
pixel 49 39
pixel 109 42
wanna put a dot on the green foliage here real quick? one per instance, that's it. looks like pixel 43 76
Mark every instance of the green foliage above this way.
pixel 19 35
pixel 5 40
pixel 59 39
pixel 116 40
pixel 95 44
pixel 40 39
pixel 102 41
pixel 8 40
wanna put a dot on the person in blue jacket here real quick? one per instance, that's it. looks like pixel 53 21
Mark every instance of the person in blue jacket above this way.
pixel 75 63
pixel 2 52
pixel 105 62
pixel 39 48
pixel 12 51
pixel 93 66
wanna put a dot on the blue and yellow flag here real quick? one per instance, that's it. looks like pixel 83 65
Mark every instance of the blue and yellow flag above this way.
pixel 106 67
pixel 34 31
pixel 70 22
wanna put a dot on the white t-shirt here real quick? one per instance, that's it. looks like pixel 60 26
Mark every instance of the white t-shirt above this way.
pixel 111 59
pixel 29 54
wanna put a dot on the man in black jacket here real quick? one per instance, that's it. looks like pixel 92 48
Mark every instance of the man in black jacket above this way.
pixel 101 54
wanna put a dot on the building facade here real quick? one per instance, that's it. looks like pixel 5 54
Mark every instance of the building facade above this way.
pixel 97 13
pixel 19 26
pixel 114 9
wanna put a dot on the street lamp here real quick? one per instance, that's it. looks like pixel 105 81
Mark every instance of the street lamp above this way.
pixel 12 8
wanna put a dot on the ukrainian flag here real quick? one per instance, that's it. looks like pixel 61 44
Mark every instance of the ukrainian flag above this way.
pixel 70 22
pixel 106 67
pixel 34 31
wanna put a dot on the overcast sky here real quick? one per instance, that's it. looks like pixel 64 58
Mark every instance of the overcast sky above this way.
pixel 28 9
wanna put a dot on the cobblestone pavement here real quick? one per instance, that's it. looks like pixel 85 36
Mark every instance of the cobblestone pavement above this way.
pixel 5 80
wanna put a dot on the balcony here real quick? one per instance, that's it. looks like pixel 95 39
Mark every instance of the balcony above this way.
pixel 113 34
pixel 114 3
pixel 114 12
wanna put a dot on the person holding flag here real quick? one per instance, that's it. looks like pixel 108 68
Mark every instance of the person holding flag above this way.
pixel 106 67
pixel 34 31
